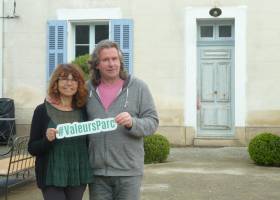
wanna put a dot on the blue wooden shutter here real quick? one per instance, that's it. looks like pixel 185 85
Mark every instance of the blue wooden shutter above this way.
pixel 122 33
pixel 56 44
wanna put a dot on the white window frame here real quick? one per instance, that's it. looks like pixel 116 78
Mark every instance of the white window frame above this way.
pixel 74 16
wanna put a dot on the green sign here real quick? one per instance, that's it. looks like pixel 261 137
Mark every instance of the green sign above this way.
pixel 85 128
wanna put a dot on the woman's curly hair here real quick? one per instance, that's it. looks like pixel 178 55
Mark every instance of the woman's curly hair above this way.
pixel 63 70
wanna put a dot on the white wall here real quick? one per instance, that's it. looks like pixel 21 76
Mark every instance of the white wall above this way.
pixel 1 49
pixel 159 55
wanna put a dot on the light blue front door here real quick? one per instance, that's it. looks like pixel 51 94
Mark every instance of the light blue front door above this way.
pixel 215 79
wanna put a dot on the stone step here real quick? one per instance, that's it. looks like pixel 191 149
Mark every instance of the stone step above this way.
pixel 216 142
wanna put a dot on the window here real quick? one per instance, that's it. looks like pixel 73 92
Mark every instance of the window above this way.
pixel 63 46
pixel 81 40
pixel 101 33
pixel 215 30
pixel 225 31
pixel 206 31
pixel 87 36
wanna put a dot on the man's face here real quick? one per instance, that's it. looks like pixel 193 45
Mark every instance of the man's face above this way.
pixel 109 64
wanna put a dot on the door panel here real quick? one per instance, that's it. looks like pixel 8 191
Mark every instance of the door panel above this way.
pixel 208 116
pixel 213 53
pixel 207 81
pixel 223 81
pixel 214 93
pixel 223 117
pixel 215 116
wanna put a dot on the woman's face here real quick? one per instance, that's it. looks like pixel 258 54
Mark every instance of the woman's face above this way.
pixel 67 86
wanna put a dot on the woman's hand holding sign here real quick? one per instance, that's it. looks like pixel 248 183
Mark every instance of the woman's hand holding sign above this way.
pixel 124 119
pixel 51 134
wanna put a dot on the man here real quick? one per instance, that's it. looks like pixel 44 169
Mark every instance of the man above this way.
pixel 117 157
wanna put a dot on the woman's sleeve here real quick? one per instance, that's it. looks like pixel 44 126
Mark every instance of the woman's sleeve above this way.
pixel 38 143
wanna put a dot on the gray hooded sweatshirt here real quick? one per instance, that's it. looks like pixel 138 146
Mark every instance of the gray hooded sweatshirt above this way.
pixel 121 152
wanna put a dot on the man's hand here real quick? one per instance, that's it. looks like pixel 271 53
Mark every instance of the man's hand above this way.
pixel 124 119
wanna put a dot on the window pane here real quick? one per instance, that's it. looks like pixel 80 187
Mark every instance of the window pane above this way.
pixel 225 31
pixel 206 31
pixel 81 50
pixel 82 34
pixel 101 33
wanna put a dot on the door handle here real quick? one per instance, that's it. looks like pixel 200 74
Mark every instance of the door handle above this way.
pixel 216 92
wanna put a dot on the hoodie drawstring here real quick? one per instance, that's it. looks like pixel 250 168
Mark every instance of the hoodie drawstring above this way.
pixel 126 99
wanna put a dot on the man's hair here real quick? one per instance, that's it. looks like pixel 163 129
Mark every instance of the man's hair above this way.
pixel 95 59
pixel 63 70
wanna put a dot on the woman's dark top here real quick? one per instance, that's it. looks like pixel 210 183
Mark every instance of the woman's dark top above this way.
pixel 62 162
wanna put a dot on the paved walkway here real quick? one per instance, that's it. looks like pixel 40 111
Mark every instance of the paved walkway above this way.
pixel 198 174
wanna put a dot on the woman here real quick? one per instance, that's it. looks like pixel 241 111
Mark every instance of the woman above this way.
pixel 62 166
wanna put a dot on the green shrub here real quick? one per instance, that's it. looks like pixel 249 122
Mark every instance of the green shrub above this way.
pixel 264 149
pixel 156 148
pixel 82 62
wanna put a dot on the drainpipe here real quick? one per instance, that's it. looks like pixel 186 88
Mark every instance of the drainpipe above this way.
pixel 2 49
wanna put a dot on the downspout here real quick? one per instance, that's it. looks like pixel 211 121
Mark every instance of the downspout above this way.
pixel 2 49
